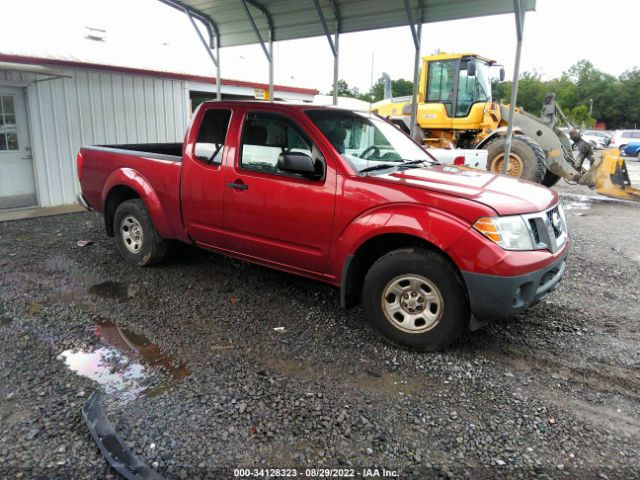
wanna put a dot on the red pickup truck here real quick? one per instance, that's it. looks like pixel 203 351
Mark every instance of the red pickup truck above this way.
pixel 342 197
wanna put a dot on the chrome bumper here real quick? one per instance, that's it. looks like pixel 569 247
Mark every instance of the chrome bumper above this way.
pixel 83 202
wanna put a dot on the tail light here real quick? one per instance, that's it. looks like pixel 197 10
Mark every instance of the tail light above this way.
pixel 80 165
pixel 458 160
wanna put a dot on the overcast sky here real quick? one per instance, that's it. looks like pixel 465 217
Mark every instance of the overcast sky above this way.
pixel 557 35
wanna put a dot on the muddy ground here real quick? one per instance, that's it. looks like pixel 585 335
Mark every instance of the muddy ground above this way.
pixel 207 364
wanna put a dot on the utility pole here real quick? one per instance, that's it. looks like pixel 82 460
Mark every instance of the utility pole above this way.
pixel 590 106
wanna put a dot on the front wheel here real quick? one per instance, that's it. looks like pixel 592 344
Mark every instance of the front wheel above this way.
pixel 526 159
pixel 136 238
pixel 416 299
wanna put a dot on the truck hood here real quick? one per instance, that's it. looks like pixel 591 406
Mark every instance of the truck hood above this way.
pixel 506 195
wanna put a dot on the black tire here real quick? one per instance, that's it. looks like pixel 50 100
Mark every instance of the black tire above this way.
pixel 550 179
pixel 529 152
pixel 621 148
pixel 436 269
pixel 151 248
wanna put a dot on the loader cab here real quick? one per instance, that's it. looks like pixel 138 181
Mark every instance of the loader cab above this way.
pixel 456 82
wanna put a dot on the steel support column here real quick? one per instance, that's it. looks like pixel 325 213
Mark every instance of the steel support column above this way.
pixel 334 43
pixel 212 30
pixel 519 12
pixel 416 32
pixel 268 51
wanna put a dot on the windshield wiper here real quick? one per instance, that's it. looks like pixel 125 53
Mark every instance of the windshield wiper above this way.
pixel 381 166
pixel 408 163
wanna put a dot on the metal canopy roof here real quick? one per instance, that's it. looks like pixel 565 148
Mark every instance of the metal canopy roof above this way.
pixel 241 22
pixel 293 19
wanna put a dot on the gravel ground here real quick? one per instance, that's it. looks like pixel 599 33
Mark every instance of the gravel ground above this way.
pixel 198 381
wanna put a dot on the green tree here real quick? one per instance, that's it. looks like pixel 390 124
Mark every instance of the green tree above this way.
pixel 343 89
pixel 579 116
pixel 399 88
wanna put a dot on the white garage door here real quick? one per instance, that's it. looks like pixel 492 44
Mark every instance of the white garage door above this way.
pixel 17 186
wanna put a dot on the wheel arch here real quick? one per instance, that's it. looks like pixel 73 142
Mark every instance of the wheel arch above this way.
pixel 499 132
pixel 357 264
pixel 117 195
pixel 126 184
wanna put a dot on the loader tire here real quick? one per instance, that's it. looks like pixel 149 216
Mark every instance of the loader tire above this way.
pixel 526 159
pixel 550 179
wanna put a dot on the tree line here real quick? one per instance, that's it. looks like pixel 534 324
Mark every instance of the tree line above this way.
pixel 585 94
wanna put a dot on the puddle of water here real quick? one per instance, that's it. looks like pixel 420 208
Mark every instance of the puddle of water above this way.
pixel 371 381
pixel 68 280
pixel 577 205
pixel 110 289
pixel 123 365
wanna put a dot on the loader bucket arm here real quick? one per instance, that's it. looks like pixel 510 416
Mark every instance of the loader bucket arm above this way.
pixel 556 146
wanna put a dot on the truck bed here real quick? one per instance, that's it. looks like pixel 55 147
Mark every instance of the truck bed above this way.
pixel 156 169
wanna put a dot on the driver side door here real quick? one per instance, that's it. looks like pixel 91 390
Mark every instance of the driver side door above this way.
pixel 282 218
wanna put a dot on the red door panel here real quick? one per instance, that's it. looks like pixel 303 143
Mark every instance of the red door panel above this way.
pixel 277 217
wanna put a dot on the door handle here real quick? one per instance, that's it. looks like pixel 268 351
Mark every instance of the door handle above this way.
pixel 238 185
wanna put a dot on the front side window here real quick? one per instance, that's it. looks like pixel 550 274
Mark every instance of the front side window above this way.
pixel 265 137
pixel 211 136
pixel 364 140
pixel 472 89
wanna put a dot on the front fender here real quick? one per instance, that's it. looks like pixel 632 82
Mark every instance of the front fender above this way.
pixel 434 226
pixel 129 177
pixel 498 132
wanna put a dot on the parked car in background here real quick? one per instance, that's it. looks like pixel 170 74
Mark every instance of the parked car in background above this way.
pixel 631 150
pixel 624 137
pixel 597 138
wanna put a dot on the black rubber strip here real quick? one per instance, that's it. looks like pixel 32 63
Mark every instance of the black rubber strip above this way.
pixel 111 445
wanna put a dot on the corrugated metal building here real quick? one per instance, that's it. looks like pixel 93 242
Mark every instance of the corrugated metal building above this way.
pixel 47 115
pixel 77 88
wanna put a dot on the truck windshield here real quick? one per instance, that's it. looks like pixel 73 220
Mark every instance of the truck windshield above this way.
pixel 365 140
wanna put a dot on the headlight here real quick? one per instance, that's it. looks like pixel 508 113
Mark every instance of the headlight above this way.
pixel 511 233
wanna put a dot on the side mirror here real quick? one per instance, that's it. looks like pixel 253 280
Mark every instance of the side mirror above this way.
pixel 297 162
pixel 502 74
pixel 471 68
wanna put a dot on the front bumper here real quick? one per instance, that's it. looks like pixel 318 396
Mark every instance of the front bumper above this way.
pixel 492 297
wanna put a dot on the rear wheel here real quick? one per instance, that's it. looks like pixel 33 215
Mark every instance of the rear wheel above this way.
pixel 526 159
pixel 621 148
pixel 136 238
pixel 416 299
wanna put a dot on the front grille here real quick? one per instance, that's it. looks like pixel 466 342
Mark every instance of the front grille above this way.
pixel 534 230
pixel 556 221
pixel 548 229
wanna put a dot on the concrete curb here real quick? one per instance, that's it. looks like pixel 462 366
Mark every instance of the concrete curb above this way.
pixel 597 199
pixel 37 212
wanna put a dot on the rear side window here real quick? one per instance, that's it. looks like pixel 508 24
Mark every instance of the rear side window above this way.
pixel 266 136
pixel 213 131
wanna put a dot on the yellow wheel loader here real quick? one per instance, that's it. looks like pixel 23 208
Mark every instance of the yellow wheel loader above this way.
pixel 456 110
